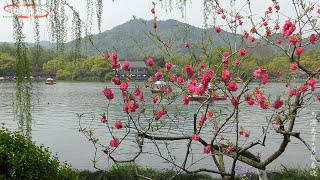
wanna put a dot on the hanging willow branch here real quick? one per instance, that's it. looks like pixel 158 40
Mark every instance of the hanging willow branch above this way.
pixel 99 8
pixel 58 23
pixel 76 31
pixel 23 83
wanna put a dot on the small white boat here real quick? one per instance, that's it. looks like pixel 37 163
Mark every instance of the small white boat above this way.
pixel 50 81
pixel 159 87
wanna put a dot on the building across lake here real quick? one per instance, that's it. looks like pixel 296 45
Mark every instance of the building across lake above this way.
pixel 137 70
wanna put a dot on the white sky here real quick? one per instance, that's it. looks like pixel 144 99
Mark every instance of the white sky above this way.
pixel 120 11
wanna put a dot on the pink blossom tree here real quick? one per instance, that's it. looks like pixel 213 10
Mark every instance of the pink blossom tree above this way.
pixel 157 119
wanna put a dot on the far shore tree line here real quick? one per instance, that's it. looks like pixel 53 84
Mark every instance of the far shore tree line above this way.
pixel 47 63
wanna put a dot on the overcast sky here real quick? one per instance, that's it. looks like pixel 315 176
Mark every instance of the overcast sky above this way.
pixel 120 11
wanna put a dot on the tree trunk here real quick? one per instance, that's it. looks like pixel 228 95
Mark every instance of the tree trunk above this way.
pixel 263 174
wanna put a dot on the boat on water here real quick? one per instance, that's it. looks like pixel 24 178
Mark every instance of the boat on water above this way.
pixel 50 81
pixel 159 87
pixel 207 97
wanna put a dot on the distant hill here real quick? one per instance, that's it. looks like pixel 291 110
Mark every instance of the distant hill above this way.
pixel 129 38
pixel 132 43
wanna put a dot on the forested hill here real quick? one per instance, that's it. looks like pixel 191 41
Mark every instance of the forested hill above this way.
pixel 133 39
pixel 136 39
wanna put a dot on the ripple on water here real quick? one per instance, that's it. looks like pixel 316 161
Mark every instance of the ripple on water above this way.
pixel 55 124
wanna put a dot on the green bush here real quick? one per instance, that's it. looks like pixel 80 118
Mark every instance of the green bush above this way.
pixel 20 158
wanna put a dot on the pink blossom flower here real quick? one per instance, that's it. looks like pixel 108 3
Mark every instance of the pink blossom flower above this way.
pixel 168 90
pixel 232 86
pixel 217 29
pixel 158 75
pixel 124 85
pixel 260 71
pixel 155 99
pixel 141 97
pixel 246 134
pixel 114 56
pixel 250 102
pixel 137 92
pixel 277 104
pixel 153 11
pixel 303 88
pixel 252 39
pixel 168 67
pixel 210 114
pixel 189 71
pixel 234 101
pixel 299 50
pixel 242 52
pixel 186 44
pixel 236 62
pixel 279 41
pixel 108 93
pixel 293 66
pixel 221 138
pixel 201 65
pixel 241 131
pixel 230 149
pixel 172 78
pixel 154 25
pixel 118 124
pixel 200 90
pixel 106 56
pixel 318 97
pixel 114 63
pixel 125 65
pixel 288 28
pixel 225 76
pixel 264 79
pixel 103 119
pixel 311 81
pixel 186 100
pixel 114 143
pixel 150 80
pixel 313 38
pixel 225 54
pixel 116 81
pixel 245 35
pixel 206 149
pixel 150 62
pixel 195 137
pixel 180 80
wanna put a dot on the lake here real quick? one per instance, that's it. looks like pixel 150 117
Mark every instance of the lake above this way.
pixel 55 124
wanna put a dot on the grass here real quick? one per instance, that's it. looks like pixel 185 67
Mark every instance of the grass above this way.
pixel 128 172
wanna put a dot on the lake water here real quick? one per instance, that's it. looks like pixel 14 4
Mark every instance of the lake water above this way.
pixel 55 124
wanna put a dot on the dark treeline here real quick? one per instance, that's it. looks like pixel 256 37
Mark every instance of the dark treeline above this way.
pixel 47 63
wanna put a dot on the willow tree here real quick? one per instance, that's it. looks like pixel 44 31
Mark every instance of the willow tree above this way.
pixel 58 30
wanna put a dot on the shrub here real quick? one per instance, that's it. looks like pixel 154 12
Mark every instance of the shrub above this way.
pixel 20 158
